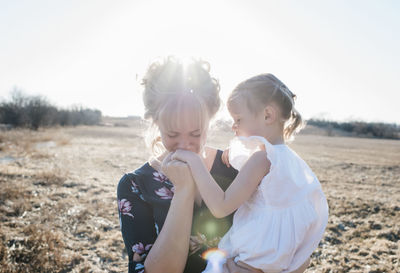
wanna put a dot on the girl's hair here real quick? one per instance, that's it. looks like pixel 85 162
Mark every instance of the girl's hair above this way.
pixel 263 89
pixel 171 87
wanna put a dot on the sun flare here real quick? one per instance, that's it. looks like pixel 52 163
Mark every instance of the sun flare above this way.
pixel 214 253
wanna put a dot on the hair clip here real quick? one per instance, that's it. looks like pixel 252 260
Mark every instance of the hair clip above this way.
pixel 286 90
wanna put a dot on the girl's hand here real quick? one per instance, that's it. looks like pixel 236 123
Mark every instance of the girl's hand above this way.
pixel 178 173
pixel 225 157
pixel 240 267
pixel 185 156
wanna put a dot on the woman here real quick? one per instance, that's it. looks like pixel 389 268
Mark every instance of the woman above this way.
pixel 164 223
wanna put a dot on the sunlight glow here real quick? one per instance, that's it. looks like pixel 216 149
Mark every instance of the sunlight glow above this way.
pixel 99 58
pixel 216 258
pixel 213 252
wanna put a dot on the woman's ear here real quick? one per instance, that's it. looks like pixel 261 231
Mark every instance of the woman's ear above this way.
pixel 270 114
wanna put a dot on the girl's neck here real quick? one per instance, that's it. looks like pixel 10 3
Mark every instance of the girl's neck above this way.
pixel 274 135
pixel 275 140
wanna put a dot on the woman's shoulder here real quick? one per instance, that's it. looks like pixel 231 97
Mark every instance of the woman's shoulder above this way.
pixel 210 149
pixel 211 153
pixel 213 156
pixel 136 175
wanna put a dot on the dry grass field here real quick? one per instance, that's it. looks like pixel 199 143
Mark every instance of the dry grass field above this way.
pixel 58 206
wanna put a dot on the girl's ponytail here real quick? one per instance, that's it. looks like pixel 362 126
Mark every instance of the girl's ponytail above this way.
pixel 293 125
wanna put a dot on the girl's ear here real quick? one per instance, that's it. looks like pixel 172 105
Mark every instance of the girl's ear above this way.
pixel 270 114
pixel 156 122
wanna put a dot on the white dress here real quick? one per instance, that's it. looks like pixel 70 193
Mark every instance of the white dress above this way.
pixel 279 227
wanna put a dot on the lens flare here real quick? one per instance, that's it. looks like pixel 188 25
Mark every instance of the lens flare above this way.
pixel 216 258
pixel 213 252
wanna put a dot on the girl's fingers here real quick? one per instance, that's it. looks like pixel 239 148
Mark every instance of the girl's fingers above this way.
pixel 225 158
pixel 182 155
pixel 177 156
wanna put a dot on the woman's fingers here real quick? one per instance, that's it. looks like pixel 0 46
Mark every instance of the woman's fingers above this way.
pixel 182 155
pixel 248 267
pixel 173 166
pixel 165 162
pixel 233 268
pixel 240 267
pixel 167 158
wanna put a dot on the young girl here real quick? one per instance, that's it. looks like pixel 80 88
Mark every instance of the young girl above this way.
pixel 281 209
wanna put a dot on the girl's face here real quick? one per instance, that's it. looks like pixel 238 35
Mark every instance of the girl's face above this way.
pixel 245 122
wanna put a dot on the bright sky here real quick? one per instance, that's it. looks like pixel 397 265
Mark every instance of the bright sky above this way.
pixel 340 57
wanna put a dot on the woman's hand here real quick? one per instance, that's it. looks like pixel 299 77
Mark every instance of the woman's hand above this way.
pixel 178 173
pixel 231 267
pixel 172 243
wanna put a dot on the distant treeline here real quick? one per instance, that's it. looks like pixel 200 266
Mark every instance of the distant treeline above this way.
pixel 360 129
pixel 35 111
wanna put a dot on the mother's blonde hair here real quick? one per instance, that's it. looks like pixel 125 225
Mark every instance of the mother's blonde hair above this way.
pixel 169 84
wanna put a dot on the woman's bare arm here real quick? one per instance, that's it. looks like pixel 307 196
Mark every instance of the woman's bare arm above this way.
pixel 170 250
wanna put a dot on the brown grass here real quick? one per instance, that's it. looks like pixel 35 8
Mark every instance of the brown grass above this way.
pixel 24 142
pixel 55 176
pixel 40 250
pixel 58 207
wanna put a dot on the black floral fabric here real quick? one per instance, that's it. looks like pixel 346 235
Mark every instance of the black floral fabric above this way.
pixel 144 197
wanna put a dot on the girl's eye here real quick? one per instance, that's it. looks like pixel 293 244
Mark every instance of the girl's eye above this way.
pixel 172 136
pixel 196 135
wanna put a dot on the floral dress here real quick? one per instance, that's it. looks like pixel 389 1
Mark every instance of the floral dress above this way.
pixel 144 197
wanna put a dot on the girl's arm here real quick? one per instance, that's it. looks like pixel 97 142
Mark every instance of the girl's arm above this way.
pixel 219 202
pixel 225 157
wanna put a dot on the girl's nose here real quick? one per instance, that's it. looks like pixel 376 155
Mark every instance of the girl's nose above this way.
pixel 234 126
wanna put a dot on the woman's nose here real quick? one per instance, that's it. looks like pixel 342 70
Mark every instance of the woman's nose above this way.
pixel 183 144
